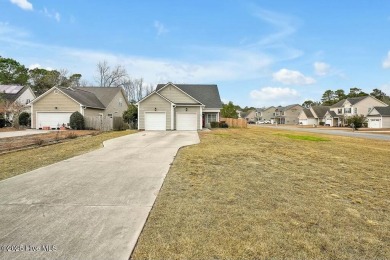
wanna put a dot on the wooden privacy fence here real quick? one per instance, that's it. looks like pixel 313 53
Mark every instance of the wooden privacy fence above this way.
pixel 104 123
pixel 235 122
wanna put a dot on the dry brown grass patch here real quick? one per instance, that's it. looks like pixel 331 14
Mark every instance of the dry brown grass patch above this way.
pixel 18 162
pixel 251 194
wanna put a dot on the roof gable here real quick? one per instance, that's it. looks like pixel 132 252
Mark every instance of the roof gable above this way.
pixel 208 95
pixel 383 111
pixel 104 94
pixel 319 111
pixel 154 93
pixel 12 92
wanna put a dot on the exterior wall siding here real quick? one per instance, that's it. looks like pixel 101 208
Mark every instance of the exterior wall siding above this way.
pixel 117 106
pixel 386 122
pixel 52 100
pixel 291 115
pixel 190 110
pixel 175 95
pixel 154 101
pixel 93 112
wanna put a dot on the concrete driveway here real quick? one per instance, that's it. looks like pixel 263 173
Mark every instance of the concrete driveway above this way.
pixel 93 206
pixel 22 133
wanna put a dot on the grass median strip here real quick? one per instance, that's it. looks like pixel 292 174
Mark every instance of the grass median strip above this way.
pixel 254 194
pixel 305 137
pixel 15 163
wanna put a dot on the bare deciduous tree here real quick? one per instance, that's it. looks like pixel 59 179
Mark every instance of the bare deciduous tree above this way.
pixel 108 77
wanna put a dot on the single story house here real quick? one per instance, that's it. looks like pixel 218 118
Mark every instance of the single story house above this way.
pixel 179 107
pixel 15 97
pixel 313 115
pixel 53 108
pixel 379 117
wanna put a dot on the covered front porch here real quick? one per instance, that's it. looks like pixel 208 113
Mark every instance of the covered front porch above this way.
pixel 208 117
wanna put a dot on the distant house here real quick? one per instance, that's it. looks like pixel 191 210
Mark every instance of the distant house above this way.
pixel 313 115
pixel 15 97
pixel 179 107
pixel 251 116
pixel 339 112
pixel 53 108
pixel 288 115
pixel 239 113
pixel 379 117
pixel 266 114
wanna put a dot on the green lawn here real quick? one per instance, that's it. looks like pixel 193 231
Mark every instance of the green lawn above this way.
pixel 263 193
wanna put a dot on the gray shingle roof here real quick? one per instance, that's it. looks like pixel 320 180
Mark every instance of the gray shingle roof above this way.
pixel 280 108
pixel 308 113
pixel 206 94
pixel 84 97
pixel 353 101
pixel 104 94
pixel 320 111
pixel 383 111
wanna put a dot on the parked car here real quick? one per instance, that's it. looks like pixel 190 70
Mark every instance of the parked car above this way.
pixel 259 122
pixel 251 122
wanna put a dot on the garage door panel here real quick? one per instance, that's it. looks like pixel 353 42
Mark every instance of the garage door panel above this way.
pixel 155 121
pixel 374 123
pixel 52 119
pixel 186 121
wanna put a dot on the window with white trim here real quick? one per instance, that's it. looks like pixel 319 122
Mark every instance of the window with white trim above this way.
pixel 211 118
pixel 355 110
pixel 347 110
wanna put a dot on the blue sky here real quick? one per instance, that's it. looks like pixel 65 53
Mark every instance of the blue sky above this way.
pixel 260 53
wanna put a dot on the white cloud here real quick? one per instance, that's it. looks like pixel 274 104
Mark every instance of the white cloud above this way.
pixel 385 88
pixel 321 68
pixel 34 66
pixel 274 96
pixel 386 62
pixel 55 15
pixel 24 4
pixel 161 29
pixel 292 77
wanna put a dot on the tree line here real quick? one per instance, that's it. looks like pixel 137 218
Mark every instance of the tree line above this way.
pixel 40 80
pixel 331 97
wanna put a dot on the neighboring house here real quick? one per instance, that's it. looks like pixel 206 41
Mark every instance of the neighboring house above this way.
pixel 15 97
pixel 266 114
pixel 179 107
pixel 288 115
pixel 313 115
pixel 339 112
pixel 379 117
pixel 251 116
pixel 53 108
pixel 239 112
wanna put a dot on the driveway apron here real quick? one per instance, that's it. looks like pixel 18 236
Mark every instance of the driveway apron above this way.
pixel 92 206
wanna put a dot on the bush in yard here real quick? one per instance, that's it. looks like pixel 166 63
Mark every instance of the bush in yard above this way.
pixel 322 123
pixel 24 119
pixel 356 121
pixel 223 124
pixel 76 121
pixel 214 124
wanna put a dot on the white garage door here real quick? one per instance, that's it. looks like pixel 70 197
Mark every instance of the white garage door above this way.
pixel 155 121
pixel 187 121
pixel 52 119
pixel 374 123
pixel 303 121
pixel 328 122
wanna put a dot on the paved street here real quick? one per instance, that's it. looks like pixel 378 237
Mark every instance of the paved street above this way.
pixel 93 206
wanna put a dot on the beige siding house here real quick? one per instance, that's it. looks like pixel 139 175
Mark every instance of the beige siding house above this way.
pixel 339 112
pixel 53 108
pixel 313 115
pixel 266 114
pixel 179 107
pixel 288 115
pixel 379 117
